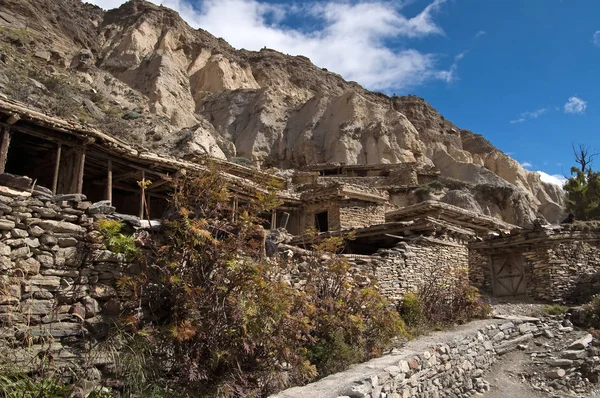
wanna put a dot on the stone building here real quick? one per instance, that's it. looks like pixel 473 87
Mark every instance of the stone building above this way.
pixel 397 240
pixel 548 263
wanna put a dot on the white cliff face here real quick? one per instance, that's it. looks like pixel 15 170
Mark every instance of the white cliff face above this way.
pixel 206 97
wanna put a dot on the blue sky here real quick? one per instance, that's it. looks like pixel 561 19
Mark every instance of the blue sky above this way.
pixel 523 73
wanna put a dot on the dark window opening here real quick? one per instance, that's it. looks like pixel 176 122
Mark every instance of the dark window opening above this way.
pixel 369 247
pixel 32 157
pixel 321 221
pixel 330 172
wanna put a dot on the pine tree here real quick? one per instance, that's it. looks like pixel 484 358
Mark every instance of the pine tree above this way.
pixel 583 188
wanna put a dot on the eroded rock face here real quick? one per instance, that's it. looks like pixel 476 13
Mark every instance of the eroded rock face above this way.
pixel 194 94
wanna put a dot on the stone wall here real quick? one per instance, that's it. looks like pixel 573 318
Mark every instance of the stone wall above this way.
pixel 453 366
pixel 559 267
pixel 402 269
pixel 307 217
pixel 358 214
pixel 58 280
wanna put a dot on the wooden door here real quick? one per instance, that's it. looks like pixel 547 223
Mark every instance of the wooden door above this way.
pixel 508 274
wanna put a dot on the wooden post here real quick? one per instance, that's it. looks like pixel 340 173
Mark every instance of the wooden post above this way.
pixel 234 208
pixel 142 195
pixel 80 171
pixel 109 182
pixel 56 169
pixel 274 219
pixel 6 135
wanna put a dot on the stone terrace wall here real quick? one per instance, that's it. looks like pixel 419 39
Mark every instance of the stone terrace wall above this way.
pixel 402 269
pixel 57 279
pixel 450 364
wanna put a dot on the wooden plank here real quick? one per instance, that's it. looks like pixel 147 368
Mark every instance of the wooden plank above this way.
pixel 6 136
pixel 109 181
pixel 274 219
pixel 56 168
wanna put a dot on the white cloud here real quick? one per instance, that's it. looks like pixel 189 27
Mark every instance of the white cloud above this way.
pixel 529 115
pixel 575 105
pixel 451 74
pixel 526 164
pixel 479 34
pixel 350 38
pixel 596 38
pixel 556 179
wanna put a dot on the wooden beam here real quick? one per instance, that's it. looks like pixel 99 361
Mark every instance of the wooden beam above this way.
pixel 109 181
pixel 13 118
pixel 115 178
pixel 136 190
pixel 130 164
pixel 50 136
pixel 80 171
pixel 6 136
pixel 56 168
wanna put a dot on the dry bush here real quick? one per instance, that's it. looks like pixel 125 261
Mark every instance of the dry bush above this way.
pixel 212 317
pixel 444 297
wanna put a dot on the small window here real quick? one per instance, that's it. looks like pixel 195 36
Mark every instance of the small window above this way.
pixel 321 221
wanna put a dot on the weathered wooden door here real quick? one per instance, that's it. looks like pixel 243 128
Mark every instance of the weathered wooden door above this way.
pixel 508 273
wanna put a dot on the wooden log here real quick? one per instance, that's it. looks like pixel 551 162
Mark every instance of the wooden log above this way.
pixel 274 219
pixel 6 136
pixel 109 181
pixel 15 117
pixel 56 168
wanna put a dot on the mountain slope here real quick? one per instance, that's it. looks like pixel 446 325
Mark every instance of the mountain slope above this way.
pixel 187 93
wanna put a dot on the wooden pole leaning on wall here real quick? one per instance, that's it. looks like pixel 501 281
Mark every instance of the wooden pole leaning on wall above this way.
pixel 80 171
pixel 109 182
pixel 274 219
pixel 6 136
pixel 142 194
pixel 56 169
pixel 234 208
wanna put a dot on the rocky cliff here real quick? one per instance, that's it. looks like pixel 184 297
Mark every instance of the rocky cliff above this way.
pixel 142 73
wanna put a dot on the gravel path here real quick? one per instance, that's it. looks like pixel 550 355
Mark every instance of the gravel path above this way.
pixel 506 380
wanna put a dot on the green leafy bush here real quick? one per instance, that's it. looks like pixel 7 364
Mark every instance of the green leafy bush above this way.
pixel 410 310
pixel 116 241
pixel 555 309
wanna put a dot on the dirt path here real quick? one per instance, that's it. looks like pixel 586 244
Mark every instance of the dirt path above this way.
pixel 506 381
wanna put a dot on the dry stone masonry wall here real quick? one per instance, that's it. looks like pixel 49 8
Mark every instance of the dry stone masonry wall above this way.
pixel 57 279
pixel 561 266
pixel 357 214
pixel 404 268
pixel 454 364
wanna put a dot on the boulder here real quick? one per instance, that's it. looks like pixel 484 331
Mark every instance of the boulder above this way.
pixel 581 343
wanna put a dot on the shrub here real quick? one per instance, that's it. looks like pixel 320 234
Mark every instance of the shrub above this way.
pixel 352 323
pixel 555 309
pixel 410 310
pixel 217 319
pixel 446 296
pixel 116 241
pixel 589 315
pixel 422 194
